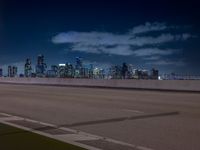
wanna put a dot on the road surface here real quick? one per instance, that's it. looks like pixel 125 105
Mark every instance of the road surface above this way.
pixel 156 120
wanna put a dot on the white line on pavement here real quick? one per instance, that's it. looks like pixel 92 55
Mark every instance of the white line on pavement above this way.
pixel 68 138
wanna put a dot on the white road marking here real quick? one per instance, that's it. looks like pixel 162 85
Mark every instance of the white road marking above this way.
pixel 68 138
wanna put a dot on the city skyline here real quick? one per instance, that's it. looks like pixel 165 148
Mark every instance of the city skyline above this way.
pixel 146 34
pixel 88 71
pixel 77 70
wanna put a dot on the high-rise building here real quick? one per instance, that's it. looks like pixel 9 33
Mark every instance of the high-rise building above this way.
pixel 124 71
pixel 1 72
pixel 27 68
pixel 101 73
pixel 15 71
pixel 116 72
pixel 69 70
pixel 12 71
pixel 140 74
pixel 54 68
pixel 40 59
pixel 91 72
pixel 61 70
pixel 98 73
pixel 53 72
pixel 130 71
pixel 154 74
pixel 79 71
pixel 79 63
pixel 41 66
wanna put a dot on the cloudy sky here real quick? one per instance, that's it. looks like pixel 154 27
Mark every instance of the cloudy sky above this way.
pixel 160 34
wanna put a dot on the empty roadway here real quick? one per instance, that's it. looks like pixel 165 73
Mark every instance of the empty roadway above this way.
pixel 157 120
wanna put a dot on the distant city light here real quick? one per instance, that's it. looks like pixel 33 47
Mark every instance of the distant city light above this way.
pixel 60 65
pixel 159 78
pixel 79 70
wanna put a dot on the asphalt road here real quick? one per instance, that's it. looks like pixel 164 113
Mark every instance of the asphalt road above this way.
pixel 157 120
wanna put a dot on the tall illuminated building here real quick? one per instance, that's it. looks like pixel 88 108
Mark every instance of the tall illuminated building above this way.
pixel 41 66
pixel 12 71
pixel 79 63
pixel 79 71
pixel 69 69
pixel 27 68
pixel 61 70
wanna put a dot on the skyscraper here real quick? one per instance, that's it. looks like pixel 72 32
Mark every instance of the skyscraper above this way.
pixel 41 66
pixel 61 70
pixel 91 72
pixel 12 71
pixel 54 68
pixel 27 68
pixel 124 71
pixel 154 74
pixel 79 71
pixel 79 62
pixel 116 72
pixel 69 70
pixel 1 72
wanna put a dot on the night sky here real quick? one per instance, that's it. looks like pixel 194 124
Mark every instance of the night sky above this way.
pixel 161 34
